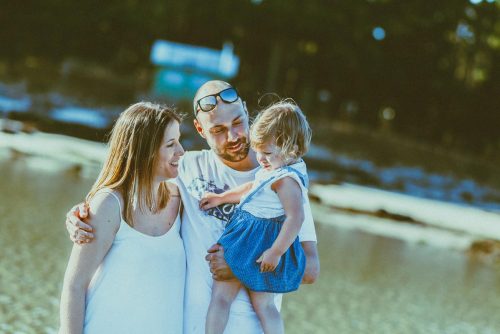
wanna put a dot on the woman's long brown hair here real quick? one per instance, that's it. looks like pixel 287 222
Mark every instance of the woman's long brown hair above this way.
pixel 133 152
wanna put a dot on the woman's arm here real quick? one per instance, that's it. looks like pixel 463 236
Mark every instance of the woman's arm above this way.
pixel 290 196
pixel 211 200
pixel 84 261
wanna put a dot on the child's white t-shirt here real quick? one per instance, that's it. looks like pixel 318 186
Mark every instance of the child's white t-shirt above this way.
pixel 200 172
pixel 266 203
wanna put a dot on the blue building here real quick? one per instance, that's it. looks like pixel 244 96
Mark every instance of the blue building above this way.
pixel 182 68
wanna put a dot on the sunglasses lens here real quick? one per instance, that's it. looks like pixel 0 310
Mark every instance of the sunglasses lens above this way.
pixel 208 103
pixel 229 95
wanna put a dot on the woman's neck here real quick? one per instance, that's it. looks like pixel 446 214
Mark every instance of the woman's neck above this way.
pixel 155 191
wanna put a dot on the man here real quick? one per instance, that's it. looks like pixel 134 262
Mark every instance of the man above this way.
pixel 221 118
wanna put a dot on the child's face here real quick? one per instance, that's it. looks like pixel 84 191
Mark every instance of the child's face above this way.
pixel 269 156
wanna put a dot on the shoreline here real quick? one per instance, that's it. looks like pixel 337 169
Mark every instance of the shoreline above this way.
pixel 411 219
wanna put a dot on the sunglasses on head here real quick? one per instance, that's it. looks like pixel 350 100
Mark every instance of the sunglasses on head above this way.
pixel 209 102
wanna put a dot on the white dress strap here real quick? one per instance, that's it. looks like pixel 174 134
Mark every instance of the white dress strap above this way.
pixel 292 172
pixel 110 191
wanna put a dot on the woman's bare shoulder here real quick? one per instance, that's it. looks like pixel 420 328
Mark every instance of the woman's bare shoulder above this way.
pixel 106 205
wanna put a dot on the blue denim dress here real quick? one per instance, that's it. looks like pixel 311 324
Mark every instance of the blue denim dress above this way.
pixel 246 237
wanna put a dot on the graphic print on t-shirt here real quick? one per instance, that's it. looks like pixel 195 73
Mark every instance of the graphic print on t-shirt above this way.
pixel 199 186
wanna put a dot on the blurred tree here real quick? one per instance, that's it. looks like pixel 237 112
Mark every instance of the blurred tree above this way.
pixel 434 64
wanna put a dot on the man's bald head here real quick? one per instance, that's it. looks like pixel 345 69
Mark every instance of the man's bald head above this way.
pixel 225 127
pixel 209 88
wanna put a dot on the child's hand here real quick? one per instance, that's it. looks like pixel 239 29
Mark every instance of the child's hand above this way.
pixel 269 260
pixel 210 200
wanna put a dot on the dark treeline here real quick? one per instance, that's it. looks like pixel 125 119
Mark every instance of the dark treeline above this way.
pixel 433 72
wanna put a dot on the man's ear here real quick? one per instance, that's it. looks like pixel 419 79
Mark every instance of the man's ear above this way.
pixel 198 128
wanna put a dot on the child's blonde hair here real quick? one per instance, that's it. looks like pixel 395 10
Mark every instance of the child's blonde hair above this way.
pixel 286 125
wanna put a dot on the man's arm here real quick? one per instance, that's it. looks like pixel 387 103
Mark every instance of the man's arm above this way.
pixel 218 266
pixel 221 271
pixel 311 273
pixel 79 232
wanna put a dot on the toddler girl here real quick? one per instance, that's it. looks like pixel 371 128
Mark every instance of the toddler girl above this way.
pixel 260 241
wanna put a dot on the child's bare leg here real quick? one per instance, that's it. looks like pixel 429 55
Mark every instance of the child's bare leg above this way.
pixel 223 294
pixel 264 306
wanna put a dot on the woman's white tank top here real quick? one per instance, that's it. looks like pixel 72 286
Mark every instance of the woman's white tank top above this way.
pixel 139 286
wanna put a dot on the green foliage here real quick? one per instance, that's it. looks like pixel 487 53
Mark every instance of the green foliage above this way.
pixel 437 67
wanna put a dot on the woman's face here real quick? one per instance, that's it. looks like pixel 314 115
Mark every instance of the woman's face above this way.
pixel 169 153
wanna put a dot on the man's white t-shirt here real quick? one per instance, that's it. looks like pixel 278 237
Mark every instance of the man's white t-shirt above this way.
pixel 200 172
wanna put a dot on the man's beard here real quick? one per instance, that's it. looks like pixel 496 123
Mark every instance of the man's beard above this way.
pixel 235 156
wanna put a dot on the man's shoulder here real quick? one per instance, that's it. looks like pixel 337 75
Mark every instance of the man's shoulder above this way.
pixel 194 163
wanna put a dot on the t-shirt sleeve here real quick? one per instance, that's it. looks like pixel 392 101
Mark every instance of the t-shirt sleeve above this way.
pixel 307 231
pixel 188 165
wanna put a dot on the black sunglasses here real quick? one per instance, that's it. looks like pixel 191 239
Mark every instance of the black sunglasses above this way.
pixel 209 102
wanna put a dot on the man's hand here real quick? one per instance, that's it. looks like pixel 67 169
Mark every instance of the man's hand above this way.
pixel 79 232
pixel 218 266
pixel 269 260
pixel 210 200
pixel 311 273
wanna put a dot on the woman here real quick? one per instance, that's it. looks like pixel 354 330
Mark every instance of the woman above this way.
pixel 131 278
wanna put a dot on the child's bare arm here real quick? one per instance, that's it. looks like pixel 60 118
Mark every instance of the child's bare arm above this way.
pixel 210 200
pixel 290 195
